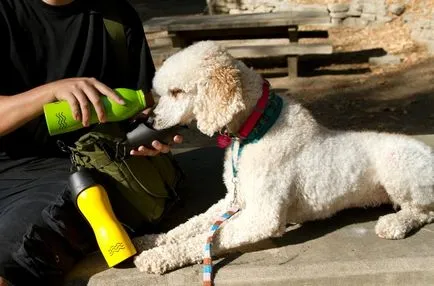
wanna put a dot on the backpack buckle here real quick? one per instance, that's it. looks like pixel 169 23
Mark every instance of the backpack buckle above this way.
pixel 116 151
pixel 72 155
pixel 63 147
pixel 121 151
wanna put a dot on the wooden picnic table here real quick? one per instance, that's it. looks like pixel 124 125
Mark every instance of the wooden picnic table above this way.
pixel 225 22
pixel 184 30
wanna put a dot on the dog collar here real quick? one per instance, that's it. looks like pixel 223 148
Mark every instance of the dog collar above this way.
pixel 266 111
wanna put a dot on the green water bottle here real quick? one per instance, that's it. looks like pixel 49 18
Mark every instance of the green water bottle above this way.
pixel 59 118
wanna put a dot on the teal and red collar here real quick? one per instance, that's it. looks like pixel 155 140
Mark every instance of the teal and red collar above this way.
pixel 266 112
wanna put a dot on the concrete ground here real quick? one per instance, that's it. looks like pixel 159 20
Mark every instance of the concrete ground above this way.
pixel 343 250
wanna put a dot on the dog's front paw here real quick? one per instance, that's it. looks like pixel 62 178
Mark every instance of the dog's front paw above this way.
pixel 148 241
pixel 390 227
pixel 153 261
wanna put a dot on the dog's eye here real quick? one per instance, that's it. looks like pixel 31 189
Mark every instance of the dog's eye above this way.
pixel 175 91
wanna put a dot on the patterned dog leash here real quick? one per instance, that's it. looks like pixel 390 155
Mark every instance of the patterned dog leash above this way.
pixel 207 260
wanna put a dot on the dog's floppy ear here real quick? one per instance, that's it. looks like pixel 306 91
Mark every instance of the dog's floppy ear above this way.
pixel 219 95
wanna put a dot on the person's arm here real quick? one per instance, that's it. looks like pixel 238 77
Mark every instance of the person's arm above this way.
pixel 19 109
pixel 81 93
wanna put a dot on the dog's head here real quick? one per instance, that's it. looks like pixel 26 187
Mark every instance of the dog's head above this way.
pixel 200 83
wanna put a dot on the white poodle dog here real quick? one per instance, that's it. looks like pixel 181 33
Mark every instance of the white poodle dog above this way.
pixel 298 171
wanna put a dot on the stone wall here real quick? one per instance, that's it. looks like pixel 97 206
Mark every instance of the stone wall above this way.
pixel 363 12
pixel 354 13
pixel 256 6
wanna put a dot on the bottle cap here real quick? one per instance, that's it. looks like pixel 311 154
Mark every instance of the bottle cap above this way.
pixel 80 181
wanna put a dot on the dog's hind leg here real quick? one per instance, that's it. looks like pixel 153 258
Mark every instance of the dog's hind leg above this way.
pixel 417 209
pixel 398 225
pixel 414 193
pixel 194 226
pixel 405 168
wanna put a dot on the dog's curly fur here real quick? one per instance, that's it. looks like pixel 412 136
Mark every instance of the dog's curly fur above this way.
pixel 299 171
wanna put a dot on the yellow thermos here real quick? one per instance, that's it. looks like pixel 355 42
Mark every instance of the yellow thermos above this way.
pixel 92 201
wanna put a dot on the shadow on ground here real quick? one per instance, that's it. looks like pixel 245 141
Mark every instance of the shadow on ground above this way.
pixel 320 64
pixel 338 63
pixel 410 115
pixel 399 101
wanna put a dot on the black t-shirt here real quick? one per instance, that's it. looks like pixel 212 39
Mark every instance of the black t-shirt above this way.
pixel 40 43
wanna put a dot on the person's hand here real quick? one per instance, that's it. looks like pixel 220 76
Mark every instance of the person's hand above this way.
pixel 82 94
pixel 158 148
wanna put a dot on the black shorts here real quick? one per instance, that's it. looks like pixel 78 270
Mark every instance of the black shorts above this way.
pixel 42 234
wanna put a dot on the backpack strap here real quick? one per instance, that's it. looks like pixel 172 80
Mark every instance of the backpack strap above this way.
pixel 115 28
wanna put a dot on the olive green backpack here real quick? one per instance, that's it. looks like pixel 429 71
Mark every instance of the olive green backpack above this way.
pixel 141 188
